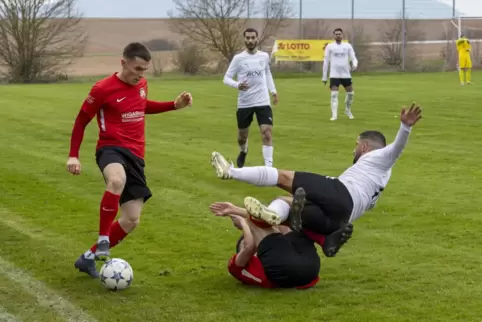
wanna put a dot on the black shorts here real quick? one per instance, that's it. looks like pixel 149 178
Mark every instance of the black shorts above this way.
pixel 329 204
pixel 136 185
pixel 264 115
pixel 345 82
pixel 289 260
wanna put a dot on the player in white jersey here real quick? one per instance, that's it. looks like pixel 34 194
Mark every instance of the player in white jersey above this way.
pixel 255 83
pixel 341 59
pixel 340 200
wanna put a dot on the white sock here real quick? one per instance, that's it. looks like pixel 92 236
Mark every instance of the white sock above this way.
pixel 349 100
pixel 101 238
pixel 258 176
pixel 334 104
pixel 281 208
pixel 244 147
pixel 268 155
pixel 89 254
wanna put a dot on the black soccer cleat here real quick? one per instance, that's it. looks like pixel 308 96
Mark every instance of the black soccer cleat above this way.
pixel 335 240
pixel 241 159
pixel 294 218
pixel 87 266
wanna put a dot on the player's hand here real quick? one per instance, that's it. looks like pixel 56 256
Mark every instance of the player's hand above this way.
pixel 222 208
pixel 324 82
pixel 183 100
pixel 73 166
pixel 275 98
pixel 243 86
pixel 410 116
pixel 353 67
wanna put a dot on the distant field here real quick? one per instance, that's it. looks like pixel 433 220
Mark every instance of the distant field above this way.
pixel 416 257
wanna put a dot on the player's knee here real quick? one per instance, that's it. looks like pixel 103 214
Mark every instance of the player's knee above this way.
pixel 116 183
pixel 129 223
pixel 266 134
pixel 287 199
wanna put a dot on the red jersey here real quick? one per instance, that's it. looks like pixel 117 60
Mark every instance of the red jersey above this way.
pixel 120 109
pixel 252 274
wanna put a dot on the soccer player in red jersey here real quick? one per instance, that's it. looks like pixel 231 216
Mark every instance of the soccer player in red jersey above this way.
pixel 120 103
pixel 269 256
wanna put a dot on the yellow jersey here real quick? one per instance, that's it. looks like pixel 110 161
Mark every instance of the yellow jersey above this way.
pixel 463 46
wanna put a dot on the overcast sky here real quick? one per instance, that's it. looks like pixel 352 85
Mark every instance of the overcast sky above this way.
pixel 430 9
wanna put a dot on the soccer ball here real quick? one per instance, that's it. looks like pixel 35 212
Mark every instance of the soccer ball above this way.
pixel 116 274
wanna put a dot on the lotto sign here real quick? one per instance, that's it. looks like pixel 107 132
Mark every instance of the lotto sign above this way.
pixel 300 50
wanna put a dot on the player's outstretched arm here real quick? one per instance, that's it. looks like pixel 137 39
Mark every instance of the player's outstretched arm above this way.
pixel 408 117
pixel 89 109
pixel 183 100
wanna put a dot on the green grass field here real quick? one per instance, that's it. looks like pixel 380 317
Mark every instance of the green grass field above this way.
pixel 416 257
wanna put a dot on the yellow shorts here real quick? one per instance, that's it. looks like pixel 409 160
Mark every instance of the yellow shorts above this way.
pixel 465 61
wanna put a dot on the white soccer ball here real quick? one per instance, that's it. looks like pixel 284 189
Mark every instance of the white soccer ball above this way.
pixel 116 274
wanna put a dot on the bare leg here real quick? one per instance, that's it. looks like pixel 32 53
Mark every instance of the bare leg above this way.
pixel 266 136
pixel 243 147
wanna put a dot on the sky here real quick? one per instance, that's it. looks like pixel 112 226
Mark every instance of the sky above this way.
pixel 377 9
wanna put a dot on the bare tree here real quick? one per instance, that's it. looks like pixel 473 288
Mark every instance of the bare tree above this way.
pixel 38 37
pixel 217 24
pixel 392 36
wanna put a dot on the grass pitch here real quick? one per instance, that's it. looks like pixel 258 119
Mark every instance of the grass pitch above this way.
pixel 416 257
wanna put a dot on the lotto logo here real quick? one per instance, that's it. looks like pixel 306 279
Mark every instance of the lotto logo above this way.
pixel 293 46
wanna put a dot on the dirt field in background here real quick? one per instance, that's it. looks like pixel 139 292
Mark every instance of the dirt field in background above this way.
pixel 107 37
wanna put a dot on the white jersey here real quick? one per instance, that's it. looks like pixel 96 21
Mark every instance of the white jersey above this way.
pixel 255 70
pixel 366 179
pixel 338 56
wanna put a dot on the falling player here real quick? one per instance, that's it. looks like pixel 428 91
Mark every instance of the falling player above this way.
pixel 346 198
pixel 120 102
pixel 268 256
pixel 255 83
pixel 465 62
pixel 341 59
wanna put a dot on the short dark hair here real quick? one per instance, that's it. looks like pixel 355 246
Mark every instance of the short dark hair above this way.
pixel 338 29
pixel 250 30
pixel 136 49
pixel 238 243
pixel 374 136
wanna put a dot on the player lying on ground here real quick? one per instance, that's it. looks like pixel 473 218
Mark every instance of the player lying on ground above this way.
pixel 267 257
pixel 120 103
pixel 311 221
pixel 344 199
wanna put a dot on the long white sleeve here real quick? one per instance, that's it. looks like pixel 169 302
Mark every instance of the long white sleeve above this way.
pixel 326 63
pixel 269 78
pixel 353 59
pixel 392 152
pixel 230 73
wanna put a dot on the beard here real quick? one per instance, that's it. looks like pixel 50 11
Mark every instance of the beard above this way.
pixel 250 46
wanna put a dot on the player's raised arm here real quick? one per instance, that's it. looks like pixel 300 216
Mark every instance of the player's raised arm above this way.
pixel 326 63
pixel 408 118
pixel 249 249
pixel 89 109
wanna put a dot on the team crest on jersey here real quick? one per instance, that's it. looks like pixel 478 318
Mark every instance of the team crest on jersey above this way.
pixel 142 92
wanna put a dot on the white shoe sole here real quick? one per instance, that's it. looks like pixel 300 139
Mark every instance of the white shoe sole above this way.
pixel 261 212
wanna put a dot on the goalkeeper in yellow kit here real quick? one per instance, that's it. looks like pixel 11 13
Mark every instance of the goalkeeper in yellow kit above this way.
pixel 465 62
